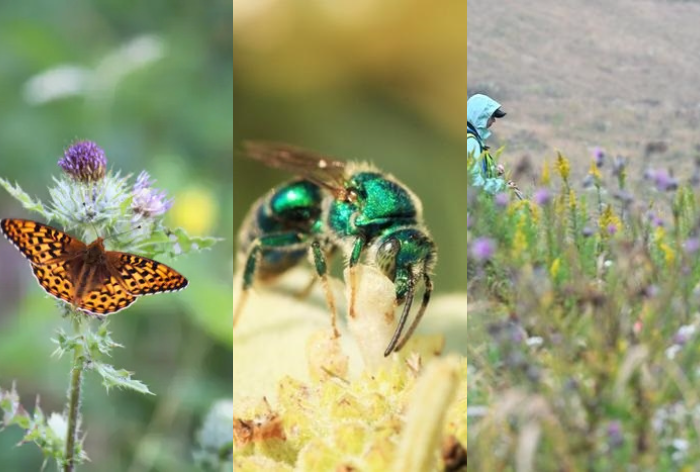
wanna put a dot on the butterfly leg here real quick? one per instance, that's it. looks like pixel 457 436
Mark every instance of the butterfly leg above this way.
pixel 271 254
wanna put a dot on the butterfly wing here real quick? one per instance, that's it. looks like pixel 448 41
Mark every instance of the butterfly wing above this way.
pixel 38 242
pixel 108 297
pixel 143 276
pixel 55 279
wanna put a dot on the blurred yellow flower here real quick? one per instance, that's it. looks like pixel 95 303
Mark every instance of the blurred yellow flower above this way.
pixel 545 174
pixel 194 210
pixel 563 167
pixel 554 268
pixel 608 222
pixel 595 172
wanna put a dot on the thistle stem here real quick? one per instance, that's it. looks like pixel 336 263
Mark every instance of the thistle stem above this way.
pixel 76 378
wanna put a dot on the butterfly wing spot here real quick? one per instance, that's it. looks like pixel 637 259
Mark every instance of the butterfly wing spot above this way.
pixel 54 280
pixel 145 276
pixel 108 298
pixel 37 242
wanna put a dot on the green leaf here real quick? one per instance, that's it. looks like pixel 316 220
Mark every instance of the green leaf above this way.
pixel 193 243
pixel 24 198
pixel 121 378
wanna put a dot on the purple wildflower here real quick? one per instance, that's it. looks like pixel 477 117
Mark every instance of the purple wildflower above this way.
pixel 501 199
pixel 599 156
pixel 84 161
pixel 662 179
pixel 691 245
pixel 683 335
pixel 147 201
pixel 619 165
pixel 483 248
pixel 612 229
pixel 542 197
pixel 614 433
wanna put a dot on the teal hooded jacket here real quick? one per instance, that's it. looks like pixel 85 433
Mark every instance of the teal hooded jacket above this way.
pixel 479 110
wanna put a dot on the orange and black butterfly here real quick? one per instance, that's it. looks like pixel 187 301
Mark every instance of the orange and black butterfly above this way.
pixel 87 276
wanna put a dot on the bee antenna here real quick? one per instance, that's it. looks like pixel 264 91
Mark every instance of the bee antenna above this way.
pixel 421 311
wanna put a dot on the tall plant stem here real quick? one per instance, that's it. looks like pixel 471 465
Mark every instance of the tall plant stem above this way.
pixel 76 377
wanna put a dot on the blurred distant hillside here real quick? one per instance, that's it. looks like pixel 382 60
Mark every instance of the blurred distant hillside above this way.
pixel 576 74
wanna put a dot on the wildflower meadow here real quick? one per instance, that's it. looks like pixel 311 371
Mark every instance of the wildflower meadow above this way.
pixel 584 307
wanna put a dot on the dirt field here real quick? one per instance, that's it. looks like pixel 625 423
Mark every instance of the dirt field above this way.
pixel 575 74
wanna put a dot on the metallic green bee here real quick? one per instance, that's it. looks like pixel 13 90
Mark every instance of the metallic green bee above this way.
pixel 349 206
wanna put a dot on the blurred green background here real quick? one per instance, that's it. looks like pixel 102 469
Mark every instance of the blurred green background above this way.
pixel 150 82
pixel 381 81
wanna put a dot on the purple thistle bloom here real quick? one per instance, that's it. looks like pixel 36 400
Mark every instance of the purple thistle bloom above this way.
pixel 483 248
pixel 599 156
pixel 143 181
pixel 614 433
pixel 542 197
pixel 662 179
pixel 612 229
pixel 691 245
pixel 619 165
pixel 502 199
pixel 147 201
pixel 84 161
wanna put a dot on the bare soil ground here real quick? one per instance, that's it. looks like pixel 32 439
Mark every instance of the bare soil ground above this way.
pixel 575 74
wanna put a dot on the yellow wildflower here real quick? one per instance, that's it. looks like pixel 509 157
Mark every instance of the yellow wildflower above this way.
pixel 595 172
pixel 545 174
pixel 195 210
pixel 669 253
pixel 563 167
pixel 554 268
pixel 609 222
pixel 572 201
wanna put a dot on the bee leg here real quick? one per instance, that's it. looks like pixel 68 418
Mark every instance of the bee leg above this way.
pixel 303 293
pixel 421 311
pixel 402 321
pixel 248 277
pixel 357 248
pixel 321 270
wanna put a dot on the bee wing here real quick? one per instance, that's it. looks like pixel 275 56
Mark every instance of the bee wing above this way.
pixel 322 170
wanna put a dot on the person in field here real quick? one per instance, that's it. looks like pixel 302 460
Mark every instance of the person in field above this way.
pixel 482 112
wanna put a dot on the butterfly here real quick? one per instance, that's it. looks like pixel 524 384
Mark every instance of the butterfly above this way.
pixel 86 275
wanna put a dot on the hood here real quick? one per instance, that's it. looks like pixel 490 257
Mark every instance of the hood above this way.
pixel 479 110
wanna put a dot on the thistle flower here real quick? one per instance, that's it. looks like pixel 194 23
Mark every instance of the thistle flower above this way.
pixel 598 156
pixel 84 161
pixel 501 199
pixel 542 197
pixel 691 245
pixel 662 179
pixel 483 248
pixel 148 202
pixel 614 434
